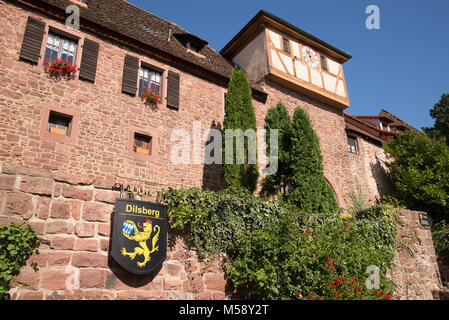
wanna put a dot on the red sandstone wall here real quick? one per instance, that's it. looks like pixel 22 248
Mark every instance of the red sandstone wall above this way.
pixel 106 116
pixel 74 220
pixel 416 273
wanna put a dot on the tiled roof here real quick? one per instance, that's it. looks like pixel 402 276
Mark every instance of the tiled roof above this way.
pixel 131 21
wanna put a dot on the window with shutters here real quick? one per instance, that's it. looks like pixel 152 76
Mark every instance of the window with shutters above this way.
pixel 149 78
pixel 59 47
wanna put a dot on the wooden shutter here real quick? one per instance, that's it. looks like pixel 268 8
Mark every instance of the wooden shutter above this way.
pixel 130 73
pixel 32 40
pixel 89 59
pixel 173 90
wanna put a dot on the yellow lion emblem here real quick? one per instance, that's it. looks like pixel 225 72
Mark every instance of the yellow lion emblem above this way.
pixel 129 227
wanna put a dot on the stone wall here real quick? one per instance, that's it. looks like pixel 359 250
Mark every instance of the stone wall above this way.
pixel 416 273
pixel 74 220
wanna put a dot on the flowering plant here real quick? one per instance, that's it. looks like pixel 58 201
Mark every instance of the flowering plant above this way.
pixel 151 96
pixel 59 68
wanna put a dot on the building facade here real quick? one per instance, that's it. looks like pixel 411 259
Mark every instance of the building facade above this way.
pixel 66 143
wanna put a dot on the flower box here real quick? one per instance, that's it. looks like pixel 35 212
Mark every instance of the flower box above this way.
pixel 151 97
pixel 61 132
pixel 60 68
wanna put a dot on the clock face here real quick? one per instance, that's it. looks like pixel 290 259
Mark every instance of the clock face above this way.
pixel 310 56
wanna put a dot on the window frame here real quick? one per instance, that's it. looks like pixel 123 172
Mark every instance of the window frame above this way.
pixel 146 63
pixel 153 69
pixel 288 47
pixel 62 30
pixel 356 145
pixel 324 58
pixel 154 145
pixel 61 44
pixel 73 130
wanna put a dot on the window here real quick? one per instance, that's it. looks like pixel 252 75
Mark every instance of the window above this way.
pixel 193 47
pixel 59 47
pixel 352 145
pixel 150 79
pixel 286 45
pixel 142 143
pixel 59 123
pixel 323 63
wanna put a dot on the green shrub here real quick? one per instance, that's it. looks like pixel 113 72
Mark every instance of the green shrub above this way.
pixel 17 244
pixel 277 118
pixel 217 221
pixel 276 251
pixel 420 172
pixel 440 236
pixel 288 259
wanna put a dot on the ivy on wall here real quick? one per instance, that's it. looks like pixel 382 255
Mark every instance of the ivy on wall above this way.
pixel 17 244
pixel 275 251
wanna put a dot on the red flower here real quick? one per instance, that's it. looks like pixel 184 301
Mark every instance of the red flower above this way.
pixel 352 281
pixel 334 261
pixel 306 231
pixel 346 224
pixel 357 288
pixel 298 293
pixel 388 297
pixel 333 285
pixel 327 259
pixel 344 279
pixel 382 292
pixel 333 270
pixel 310 297
pixel 329 265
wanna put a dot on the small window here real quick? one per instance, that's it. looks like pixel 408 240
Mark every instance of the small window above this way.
pixel 193 47
pixel 149 79
pixel 286 45
pixel 352 145
pixel 323 63
pixel 59 47
pixel 59 123
pixel 142 144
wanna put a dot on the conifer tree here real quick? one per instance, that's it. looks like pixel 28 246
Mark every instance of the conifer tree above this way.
pixel 239 114
pixel 277 118
pixel 308 188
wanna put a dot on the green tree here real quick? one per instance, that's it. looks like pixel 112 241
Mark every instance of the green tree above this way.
pixel 420 172
pixel 307 188
pixel 440 113
pixel 278 118
pixel 239 114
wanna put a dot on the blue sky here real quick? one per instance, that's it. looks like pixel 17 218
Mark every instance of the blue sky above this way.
pixel 403 67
